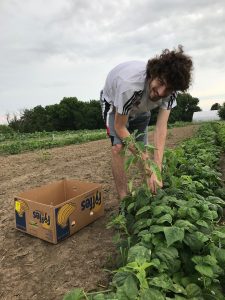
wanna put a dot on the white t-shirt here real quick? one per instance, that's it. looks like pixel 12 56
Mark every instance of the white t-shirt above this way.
pixel 125 90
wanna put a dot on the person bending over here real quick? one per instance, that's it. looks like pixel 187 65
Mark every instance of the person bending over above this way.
pixel 132 89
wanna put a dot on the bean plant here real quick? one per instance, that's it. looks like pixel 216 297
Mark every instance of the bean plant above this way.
pixel 172 244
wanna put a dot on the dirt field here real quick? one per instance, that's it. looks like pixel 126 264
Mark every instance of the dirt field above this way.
pixel 33 269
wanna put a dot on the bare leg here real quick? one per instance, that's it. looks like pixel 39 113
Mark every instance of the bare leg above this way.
pixel 118 171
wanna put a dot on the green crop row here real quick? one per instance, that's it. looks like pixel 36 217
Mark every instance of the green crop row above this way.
pixel 172 245
pixel 30 142
pixel 220 130
pixel 12 136
pixel 14 143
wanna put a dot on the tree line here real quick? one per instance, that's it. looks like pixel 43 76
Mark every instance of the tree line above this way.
pixel 186 106
pixel 69 114
pixel 72 114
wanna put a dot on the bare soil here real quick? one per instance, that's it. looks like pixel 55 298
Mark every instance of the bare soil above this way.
pixel 34 269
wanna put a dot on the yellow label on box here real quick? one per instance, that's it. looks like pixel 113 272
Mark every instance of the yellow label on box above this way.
pixel 17 206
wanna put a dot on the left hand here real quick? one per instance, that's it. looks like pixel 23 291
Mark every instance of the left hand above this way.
pixel 153 183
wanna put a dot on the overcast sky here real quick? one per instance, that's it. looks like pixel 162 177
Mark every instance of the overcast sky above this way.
pixel 64 48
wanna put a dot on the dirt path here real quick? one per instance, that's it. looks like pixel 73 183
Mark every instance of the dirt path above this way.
pixel 33 269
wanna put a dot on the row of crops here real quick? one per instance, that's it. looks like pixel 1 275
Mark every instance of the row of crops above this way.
pixel 172 245
pixel 14 143
pixel 220 130
pixel 18 143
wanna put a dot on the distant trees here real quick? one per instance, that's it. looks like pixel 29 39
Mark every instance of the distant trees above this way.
pixel 221 111
pixel 72 114
pixel 186 106
pixel 215 106
pixel 69 114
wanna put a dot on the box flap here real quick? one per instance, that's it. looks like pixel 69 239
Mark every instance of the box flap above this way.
pixel 75 188
pixel 59 192
pixel 50 194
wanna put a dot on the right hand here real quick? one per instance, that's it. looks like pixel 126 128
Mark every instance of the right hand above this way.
pixel 153 183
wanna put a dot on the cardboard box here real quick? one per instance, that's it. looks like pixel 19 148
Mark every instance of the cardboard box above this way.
pixel 55 211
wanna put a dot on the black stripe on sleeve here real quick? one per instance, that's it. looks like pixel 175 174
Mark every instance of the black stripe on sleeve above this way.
pixel 106 110
pixel 128 105
pixel 173 97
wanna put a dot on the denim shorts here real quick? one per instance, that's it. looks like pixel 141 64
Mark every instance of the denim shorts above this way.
pixel 139 123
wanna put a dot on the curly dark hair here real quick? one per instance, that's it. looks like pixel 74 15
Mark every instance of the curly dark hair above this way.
pixel 174 67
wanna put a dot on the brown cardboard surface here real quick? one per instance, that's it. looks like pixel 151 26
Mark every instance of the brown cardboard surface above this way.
pixel 49 194
pixel 55 211
pixel 75 188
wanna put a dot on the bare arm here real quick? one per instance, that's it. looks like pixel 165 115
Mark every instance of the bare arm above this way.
pixel 159 143
pixel 159 133
pixel 120 126
pixel 160 136
pixel 122 132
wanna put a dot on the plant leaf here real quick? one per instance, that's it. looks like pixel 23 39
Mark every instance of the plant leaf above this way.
pixel 219 234
pixel 193 213
pixel 195 240
pixel 140 252
pixel 168 256
pixel 165 218
pixel 208 259
pixel 205 270
pixel 185 224
pixel 162 281
pixel 156 229
pixel 130 287
pixel 129 162
pixel 153 294
pixel 193 290
pixel 143 210
pixel 161 209
pixel 76 294
pixel 119 278
pixel 202 223
pixel 173 234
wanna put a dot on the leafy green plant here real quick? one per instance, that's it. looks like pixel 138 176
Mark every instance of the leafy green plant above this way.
pixel 172 244
pixel 220 130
